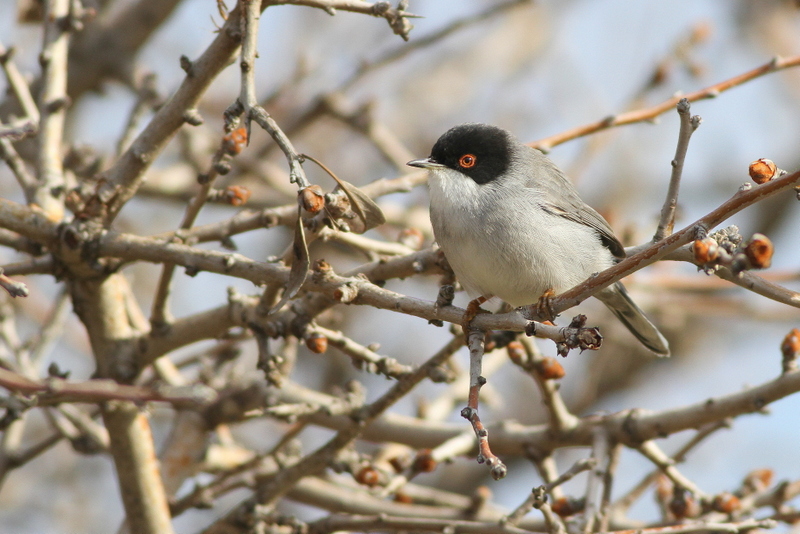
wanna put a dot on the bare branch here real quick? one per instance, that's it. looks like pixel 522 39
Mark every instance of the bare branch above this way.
pixel 648 114
pixel 53 102
pixel 688 125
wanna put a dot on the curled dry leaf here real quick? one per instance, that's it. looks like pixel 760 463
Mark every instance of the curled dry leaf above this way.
pixel 367 213
pixel 300 264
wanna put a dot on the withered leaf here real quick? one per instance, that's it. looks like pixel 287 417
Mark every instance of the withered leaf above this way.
pixel 367 211
pixel 300 264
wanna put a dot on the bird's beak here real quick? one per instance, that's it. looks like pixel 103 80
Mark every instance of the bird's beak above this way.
pixel 424 163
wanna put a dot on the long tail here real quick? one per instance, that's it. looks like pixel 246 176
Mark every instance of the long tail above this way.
pixel 618 300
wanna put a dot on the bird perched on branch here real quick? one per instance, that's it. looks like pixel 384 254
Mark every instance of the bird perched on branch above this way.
pixel 512 225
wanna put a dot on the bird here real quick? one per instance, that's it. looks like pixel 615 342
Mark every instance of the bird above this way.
pixel 512 225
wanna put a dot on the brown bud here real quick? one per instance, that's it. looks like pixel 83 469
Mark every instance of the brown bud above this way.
pixel 550 369
pixel 763 170
pixel 725 502
pixel 705 250
pixel 368 476
pixel 664 489
pixel 516 351
pixel 411 237
pixel 791 344
pixel 791 350
pixel 234 142
pixel 760 479
pixel 399 463
pixel 567 506
pixel 424 462
pixel 701 32
pixel 683 504
pixel 759 251
pixel 236 195
pixel 403 498
pixel 312 198
pixel 322 266
pixel 317 343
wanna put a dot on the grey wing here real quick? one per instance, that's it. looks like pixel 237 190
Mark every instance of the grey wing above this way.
pixel 563 200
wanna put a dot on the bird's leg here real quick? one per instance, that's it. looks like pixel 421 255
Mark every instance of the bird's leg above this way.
pixel 473 309
pixel 544 307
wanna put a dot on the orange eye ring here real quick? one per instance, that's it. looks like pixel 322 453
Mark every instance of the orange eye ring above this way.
pixel 467 161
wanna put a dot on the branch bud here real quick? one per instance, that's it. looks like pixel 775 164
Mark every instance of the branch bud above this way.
pixel 759 251
pixel 312 198
pixel 763 170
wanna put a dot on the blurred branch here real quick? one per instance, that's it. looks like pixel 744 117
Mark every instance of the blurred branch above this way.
pixel 746 279
pixel 125 177
pixel 629 427
pixel 396 17
pixel 648 114
pixel 26 181
pixel 53 102
pixel 384 522
pixel 625 502
pixel 56 391
pixel 270 490
pixel 400 52
pixel 18 85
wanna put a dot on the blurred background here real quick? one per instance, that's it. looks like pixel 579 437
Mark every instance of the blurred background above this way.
pixel 537 69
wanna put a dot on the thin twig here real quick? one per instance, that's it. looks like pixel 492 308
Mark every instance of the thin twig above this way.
pixel 275 487
pixel 608 482
pixel 17 84
pixel 57 390
pixel 396 17
pixel 652 452
pixel 648 114
pixel 497 468
pixel 688 125
pixel 146 98
pixel 537 499
pixel 594 484
pixel 14 288
pixel 26 181
pixel 624 503
pixel 425 41
pixel 363 356
pixel 160 316
pixel 560 418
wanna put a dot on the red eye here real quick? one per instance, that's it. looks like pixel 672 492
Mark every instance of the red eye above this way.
pixel 467 161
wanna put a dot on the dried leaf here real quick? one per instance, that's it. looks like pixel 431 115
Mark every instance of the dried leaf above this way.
pixel 367 211
pixel 300 264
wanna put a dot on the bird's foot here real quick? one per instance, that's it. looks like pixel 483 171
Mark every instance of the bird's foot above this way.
pixel 544 307
pixel 473 309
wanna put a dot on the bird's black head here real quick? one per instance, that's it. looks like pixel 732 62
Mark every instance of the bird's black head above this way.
pixel 480 151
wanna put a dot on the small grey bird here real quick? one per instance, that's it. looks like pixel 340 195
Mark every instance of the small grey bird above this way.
pixel 512 225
